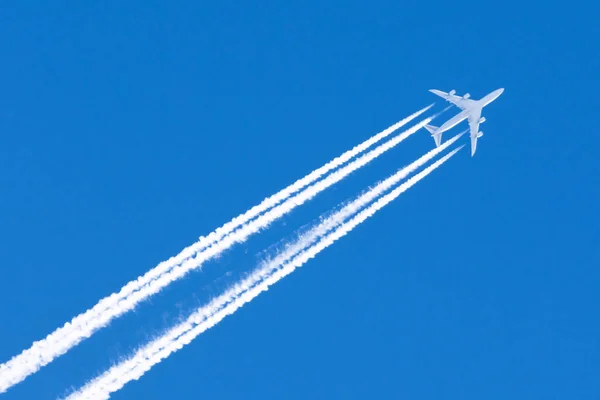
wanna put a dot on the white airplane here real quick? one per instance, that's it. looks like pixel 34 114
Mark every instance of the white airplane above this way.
pixel 471 110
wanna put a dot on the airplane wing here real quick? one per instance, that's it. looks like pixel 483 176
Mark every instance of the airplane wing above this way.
pixel 458 101
pixel 473 118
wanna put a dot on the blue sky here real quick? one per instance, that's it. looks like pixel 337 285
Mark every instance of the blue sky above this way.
pixel 128 130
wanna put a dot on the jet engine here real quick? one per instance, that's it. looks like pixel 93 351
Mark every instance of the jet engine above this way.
pixel 480 134
pixel 481 120
pixel 466 96
pixel 452 92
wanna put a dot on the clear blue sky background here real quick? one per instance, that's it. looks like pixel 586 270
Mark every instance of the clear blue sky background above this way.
pixel 128 129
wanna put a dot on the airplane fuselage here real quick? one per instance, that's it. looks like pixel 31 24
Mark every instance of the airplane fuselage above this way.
pixel 452 122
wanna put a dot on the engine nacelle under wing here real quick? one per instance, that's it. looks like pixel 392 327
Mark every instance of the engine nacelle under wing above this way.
pixel 466 96
pixel 480 134
pixel 481 120
pixel 452 92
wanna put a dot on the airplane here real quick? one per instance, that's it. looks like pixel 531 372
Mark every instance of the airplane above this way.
pixel 471 110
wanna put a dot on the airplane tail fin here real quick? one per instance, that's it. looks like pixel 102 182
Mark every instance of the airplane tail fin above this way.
pixel 437 137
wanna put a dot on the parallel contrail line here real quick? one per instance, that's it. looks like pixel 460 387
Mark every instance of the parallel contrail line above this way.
pixel 61 340
pixel 238 235
pixel 353 207
pixel 208 316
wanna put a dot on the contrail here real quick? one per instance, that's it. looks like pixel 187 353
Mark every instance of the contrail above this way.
pixel 61 340
pixel 352 208
pixel 211 314
pixel 236 236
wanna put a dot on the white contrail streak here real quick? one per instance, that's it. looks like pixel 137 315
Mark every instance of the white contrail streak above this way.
pixel 236 236
pixel 61 340
pixel 353 207
pixel 211 314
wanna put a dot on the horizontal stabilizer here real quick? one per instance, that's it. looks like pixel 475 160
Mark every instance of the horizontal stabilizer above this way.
pixel 437 136
pixel 432 129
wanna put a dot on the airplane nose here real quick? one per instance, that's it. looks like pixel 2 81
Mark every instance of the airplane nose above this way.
pixel 500 91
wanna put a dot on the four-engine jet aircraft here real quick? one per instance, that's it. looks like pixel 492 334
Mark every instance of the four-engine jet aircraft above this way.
pixel 471 110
